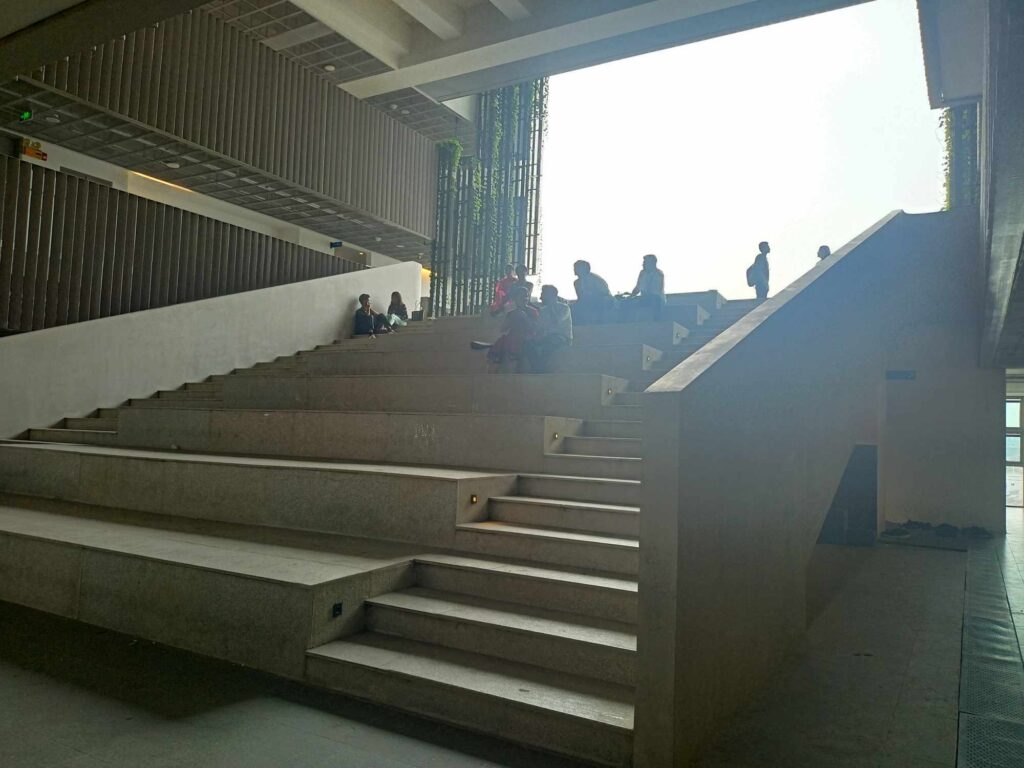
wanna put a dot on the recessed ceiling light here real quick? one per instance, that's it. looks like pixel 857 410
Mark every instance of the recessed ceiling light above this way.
pixel 421 253
pixel 377 238
pixel 394 106
pixel 329 67
pixel 397 245
pixel 52 118
pixel 172 164
pixel 405 111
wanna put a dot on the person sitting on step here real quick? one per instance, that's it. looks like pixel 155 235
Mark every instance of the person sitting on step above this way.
pixel 367 322
pixel 520 326
pixel 594 303
pixel 649 292
pixel 554 330
pixel 397 314
pixel 501 297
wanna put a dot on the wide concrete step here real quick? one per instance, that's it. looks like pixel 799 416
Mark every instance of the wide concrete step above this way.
pixel 591 594
pixel 628 447
pixel 660 335
pixel 437 439
pixel 593 466
pixel 565 642
pixel 242 601
pixel 623 360
pixel 419 505
pixel 602 490
pixel 610 554
pixel 577 396
pixel 73 436
pixel 203 386
pixel 188 394
pixel 628 398
pixel 589 517
pixel 93 423
pixel 608 428
pixel 563 713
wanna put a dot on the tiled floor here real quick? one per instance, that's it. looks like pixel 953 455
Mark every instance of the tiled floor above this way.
pixel 876 684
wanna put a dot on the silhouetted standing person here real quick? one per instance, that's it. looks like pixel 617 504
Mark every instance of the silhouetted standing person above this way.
pixel 757 273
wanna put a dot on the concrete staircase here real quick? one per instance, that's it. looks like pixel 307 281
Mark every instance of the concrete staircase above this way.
pixel 509 605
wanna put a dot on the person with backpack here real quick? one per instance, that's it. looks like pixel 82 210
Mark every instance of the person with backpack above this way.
pixel 757 273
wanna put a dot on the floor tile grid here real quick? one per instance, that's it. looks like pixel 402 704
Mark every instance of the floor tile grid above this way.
pixel 991 726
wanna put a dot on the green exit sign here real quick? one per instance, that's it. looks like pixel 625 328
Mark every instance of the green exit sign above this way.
pixel 25 115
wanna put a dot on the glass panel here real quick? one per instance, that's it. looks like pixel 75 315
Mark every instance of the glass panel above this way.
pixel 1013 448
pixel 1013 414
pixel 1015 487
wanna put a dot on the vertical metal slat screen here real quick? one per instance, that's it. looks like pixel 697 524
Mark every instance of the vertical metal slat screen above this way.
pixel 73 249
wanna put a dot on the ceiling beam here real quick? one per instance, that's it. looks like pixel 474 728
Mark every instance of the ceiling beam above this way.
pixel 377 27
pixel 79 27
pixel 537 43
pixel 297 36
pixel 442 17
pixel 513 10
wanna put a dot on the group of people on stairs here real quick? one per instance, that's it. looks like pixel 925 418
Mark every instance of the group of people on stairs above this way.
pixel 370 323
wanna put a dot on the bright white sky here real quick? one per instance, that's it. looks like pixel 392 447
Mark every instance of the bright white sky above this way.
pixel 801 134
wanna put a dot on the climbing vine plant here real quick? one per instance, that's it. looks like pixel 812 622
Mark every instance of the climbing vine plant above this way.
pixel 488 204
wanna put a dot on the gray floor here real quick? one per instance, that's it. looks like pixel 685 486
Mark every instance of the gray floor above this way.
pixel 876 684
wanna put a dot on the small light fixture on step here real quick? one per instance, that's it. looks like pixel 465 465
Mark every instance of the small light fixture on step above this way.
pixel 473 499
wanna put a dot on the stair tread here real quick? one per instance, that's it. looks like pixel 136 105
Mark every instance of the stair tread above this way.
pixel 576 478
pixel 587 505
pixel 602 437
pixel 531 571
pixel 558 692
pixel 513 529
pixel 586 456
pixel 511 616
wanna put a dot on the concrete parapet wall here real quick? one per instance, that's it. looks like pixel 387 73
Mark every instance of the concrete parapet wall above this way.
pixel 72 370
pixel 745 443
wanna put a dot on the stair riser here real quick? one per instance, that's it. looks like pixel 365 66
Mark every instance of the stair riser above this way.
pixel 597 446
pixel 595 466
pixel 187 394
pixel 107 425
pixel 562 552
pixel 613 665
pixel 588 521
pixel 78 437
pixel 612 429
pixel 596 492
pixel 627 398
pixel 581 599
pixel 516 722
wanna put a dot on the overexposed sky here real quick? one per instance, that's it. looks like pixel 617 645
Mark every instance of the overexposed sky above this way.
pixel 801 134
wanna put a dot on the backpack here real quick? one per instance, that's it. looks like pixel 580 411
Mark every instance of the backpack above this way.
pixel 752 274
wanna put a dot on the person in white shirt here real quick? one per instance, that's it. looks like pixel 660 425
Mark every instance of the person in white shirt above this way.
pixel 649 292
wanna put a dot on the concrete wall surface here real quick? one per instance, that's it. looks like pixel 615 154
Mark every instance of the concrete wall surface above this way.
pixel 72 370
pixel 745 444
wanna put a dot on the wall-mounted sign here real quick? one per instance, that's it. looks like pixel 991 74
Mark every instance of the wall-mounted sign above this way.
pixel 337 244
pixel 25 116
pixel 33 149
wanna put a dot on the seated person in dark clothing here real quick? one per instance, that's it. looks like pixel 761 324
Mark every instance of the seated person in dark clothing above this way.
pixel 649 292
pixel 368 322
pixel 554 330
pixel 519 327
pixel 397 314
pixel 594 303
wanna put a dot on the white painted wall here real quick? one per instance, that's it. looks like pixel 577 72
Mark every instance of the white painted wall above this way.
pixel 72 370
